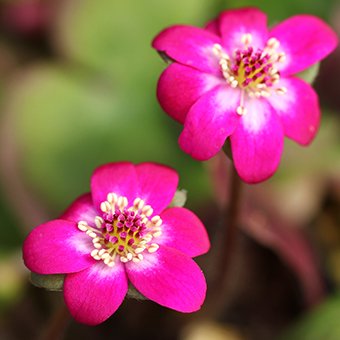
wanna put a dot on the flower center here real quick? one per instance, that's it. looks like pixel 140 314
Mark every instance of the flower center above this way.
pixel 254 72
pixel 122 231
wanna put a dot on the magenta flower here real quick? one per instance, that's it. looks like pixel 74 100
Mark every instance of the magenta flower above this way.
pixel 235 78
pixel 123 231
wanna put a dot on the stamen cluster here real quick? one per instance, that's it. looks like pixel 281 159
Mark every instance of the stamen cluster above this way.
pixel 254 72
pixel 122 231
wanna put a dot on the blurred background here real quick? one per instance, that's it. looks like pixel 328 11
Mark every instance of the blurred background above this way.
pixel 77 89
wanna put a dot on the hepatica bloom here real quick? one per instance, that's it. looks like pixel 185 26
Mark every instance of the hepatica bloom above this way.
pixel 123 231
pixel 235 78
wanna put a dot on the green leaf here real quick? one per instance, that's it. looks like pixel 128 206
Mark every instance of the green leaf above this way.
pixel 179 198
pixel 322 323
pixel 310 74
pixel 133 293
pixel 53 282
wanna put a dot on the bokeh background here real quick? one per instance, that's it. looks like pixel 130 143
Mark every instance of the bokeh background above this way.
pixel 77 89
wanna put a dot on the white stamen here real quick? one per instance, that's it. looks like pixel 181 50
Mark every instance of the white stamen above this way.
pixel 157 221
pixel 82 225
pixel 105 206
pixel 123 259
pixel 101 252
pixel 281 57
pixel 147 210
pixel 94 252
pixel 153 247
pixel 241 110
pixel 273 43
pixel 139 250
pixel 157 234
pixel 147 238
pixel 92 234
pixel 217 49
pixel 129 256
pixel 136 260
pixel 112 197
pixel 246 39
pixel 98 221
pixel 281 91
pixel 107 260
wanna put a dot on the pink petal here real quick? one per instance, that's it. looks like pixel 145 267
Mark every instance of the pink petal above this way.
pixel 237 22
pixel 183 230
pixel 180 86
pixel 257 143
pixel 213 26
pixel 119 178
pixel 57 247
pixel 94 294
pixel 157 185
pixel 188 45
pixel 169 278
pixel 305 39
pixel 82 209
pixel 298 109
pixel 209 122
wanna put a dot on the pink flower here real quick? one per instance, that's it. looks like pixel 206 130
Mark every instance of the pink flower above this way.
pixel 235 78
pixel 123 231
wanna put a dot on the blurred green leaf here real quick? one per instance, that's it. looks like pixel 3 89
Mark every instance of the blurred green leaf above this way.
pixel 53 282
pixel 68 123
pixel 310 74
pixel 179 198
pixel 322 323
pixel 280 10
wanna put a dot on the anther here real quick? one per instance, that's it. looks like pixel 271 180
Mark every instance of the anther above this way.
pixel 98 221
pixel 281 90
pixel 123 259
pixel 241 110
pixel 112 197
pixel 273 43
pixel 82 225
pixel 246 39
pixel 153 248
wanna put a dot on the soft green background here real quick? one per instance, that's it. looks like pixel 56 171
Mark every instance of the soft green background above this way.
pixel 93 101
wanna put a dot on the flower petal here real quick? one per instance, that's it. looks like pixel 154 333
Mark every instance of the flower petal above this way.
pixel 298 109
pixel 305 40
pixel 257 143
pixel 169 278
pixel 82 209
pixel 237 22
pixel 57 247
pixel 191 46
pixel 94 294
pixel 157 185
pixel 119 178
pixel 183 230
pixel 213 26
pixel 209 122
pixel 180 86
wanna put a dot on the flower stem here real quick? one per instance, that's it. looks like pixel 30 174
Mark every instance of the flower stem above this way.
pixel 227 243
pixel 57 324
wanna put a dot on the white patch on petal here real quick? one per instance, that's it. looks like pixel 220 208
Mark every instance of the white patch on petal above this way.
pixel 209 51
pixel 210 81
pixel 257 41
pixel 281 103
pixel 258 113
pixel 227 99
pixel 82 243
pixel 150 260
